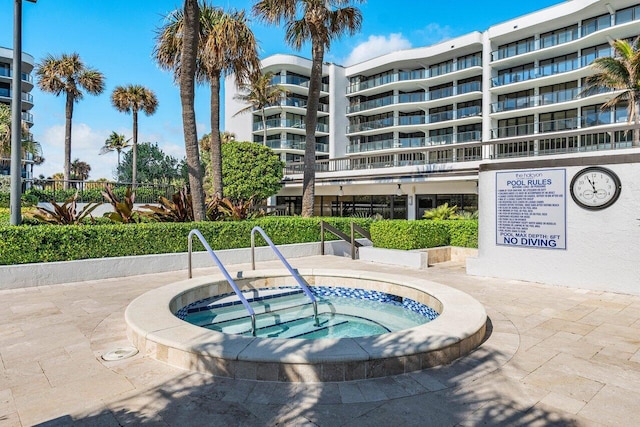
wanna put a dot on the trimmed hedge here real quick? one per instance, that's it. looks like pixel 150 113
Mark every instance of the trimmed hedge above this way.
pixel 408 235
pixel 463 233
pixel 47 243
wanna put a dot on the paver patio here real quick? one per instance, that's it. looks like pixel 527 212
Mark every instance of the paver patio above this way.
pixel 555 356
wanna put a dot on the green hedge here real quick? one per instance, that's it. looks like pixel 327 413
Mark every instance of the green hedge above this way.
pixel 463 233
pixel 47 243
pixel 408 235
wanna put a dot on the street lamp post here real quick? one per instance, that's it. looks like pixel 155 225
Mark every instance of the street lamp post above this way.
pixel 16 105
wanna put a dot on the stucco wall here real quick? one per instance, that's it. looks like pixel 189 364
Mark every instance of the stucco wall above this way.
pixel 602 247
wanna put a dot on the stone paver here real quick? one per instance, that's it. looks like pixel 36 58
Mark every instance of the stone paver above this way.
pixel 554 356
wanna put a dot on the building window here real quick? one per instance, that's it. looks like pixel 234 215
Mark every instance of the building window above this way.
pixel 558 121
pixel 627 15
pixel 515 126
pixel 560 36
pixel 594 115
pixel 595 24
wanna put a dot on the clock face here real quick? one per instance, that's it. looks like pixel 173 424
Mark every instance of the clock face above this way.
pixel 595 188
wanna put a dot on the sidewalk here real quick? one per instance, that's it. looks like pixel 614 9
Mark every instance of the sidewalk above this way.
pixel 555 356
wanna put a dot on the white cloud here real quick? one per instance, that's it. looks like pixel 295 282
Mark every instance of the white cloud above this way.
pixel 433 33
pixel 376 46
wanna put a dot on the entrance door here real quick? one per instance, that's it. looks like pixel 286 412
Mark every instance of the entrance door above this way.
pixel 424 203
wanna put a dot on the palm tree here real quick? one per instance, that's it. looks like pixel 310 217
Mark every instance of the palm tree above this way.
pixel 28 145
pixel 315 21
pixel 259 94
pixel 226 45
pixel 131 99
pixel 68 75
pixel 620 73
pixel 176 50
pixel 115 142
pixel 227 136
pixel 80 170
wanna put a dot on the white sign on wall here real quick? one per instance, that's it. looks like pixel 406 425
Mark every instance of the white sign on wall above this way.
pixel 531 208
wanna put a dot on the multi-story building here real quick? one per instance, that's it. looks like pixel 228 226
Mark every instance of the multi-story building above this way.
pixel 406 131
pixel 6 88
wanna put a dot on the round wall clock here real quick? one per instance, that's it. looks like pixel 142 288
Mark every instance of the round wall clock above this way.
pixel 595 188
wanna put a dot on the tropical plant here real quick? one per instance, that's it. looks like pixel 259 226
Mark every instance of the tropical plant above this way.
pixel 239 210
pixel 260 93
pixel 115 142
pixel 68 75
pixel 28 145
pixel 64 214
pixel 250 170
pixel 620 73
pixel 131 99
pixel 205 141
pixel 178 209
pixel 176 50
pixel 441 212
pixel 80 170
pixel 225 45
pixel 318 22
pixel 123 210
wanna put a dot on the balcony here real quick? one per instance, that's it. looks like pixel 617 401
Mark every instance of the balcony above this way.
pixel 546 70
pixel 292 101
pixel 27 117
pixel 571 123
pixel 404 98
pixel 403 143
pixel 416 120
pixel 278 144
pixel 296 81
pixel 8 72
pixel 6 93
pixel 556 39
pixel 535 101
pixel 413 75
pixel 288 123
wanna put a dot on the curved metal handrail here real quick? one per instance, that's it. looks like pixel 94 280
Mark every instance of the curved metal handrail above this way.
pixel 224 272
pixel 293 272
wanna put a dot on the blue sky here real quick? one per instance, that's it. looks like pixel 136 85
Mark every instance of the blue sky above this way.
pixel 117 38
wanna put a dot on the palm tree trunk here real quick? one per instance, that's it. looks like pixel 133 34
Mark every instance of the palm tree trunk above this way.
pixel 187 94
pixel 310 123
pixel 67 141
pixel 216 145
pixel 134 166
pixel 118 168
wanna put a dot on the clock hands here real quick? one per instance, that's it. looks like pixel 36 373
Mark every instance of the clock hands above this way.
pixel 592 185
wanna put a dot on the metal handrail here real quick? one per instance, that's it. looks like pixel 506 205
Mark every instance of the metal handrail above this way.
pixel 224 272
pixel 293 272
pixel 349 239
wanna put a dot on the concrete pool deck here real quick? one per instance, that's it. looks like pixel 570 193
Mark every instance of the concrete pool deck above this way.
pixel 554 356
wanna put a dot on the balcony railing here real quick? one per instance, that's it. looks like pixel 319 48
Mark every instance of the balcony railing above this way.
pixel 547 70
pixel 298 102
pixel 559 125
pixel 415 97
pixel 296 81
pixel 402 143
pixel 535 101
pixel 413 75
pixel 556 39
pixel 278 144
pixel 8 72
pixel 288 123
pixel 415 120
pixel 7 93
pixel 27 117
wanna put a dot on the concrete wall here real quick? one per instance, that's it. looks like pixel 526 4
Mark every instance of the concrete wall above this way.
pixel 51 273
pixel 601 246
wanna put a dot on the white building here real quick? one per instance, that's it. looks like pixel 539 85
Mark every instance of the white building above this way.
pixel 406 131
pixel 6 83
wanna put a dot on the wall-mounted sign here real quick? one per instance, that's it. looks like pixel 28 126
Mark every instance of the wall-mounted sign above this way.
pixel 531 208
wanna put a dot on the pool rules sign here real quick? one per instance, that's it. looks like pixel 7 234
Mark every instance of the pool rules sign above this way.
pixel 531 208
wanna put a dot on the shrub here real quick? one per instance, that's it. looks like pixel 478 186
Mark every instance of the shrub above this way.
pixel 463 233
pixel 407 235
pixel 28 244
